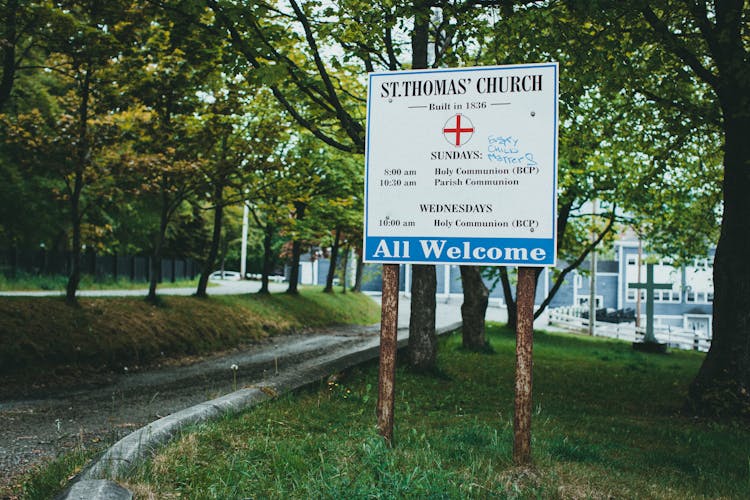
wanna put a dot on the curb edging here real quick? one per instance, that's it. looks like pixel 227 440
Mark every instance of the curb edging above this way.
pixel 97 482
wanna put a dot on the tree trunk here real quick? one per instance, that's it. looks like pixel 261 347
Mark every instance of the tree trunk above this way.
pixel 268 232
pixel 294 268
pixel 84 155
pixel 510 302
pixel 476 297
pixel 344 265
pixel 213 251
pixel 422 338
pixel 156 257
pixel 360 271
pixel 722 386
pixel 75 269
pixel 296 252
pixel 334 257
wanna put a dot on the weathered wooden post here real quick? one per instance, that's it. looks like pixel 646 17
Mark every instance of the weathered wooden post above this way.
pixel 524 366
pixel 388 348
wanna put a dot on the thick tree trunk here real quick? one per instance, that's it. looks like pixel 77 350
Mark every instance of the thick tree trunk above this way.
pixel 510 302
pixel 268 233
pixel 476 297
pixel 422 338
pixel 334 257
pixel 213 250
pixel 722 386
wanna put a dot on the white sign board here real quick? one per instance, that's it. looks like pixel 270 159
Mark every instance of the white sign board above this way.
pixel 461 166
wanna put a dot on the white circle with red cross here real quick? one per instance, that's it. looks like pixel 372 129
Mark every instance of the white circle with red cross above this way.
pixel 458 130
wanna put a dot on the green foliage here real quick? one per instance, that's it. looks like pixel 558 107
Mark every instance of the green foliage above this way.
pixel 182 107
pixel 666 140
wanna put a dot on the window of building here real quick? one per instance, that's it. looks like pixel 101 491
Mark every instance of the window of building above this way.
pixel 666 296
pixel 584 301
pixel 631 295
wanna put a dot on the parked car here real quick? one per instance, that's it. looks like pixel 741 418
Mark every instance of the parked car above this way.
pixel 225 275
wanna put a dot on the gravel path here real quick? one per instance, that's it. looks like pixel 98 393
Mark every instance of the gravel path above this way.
pixel 33 430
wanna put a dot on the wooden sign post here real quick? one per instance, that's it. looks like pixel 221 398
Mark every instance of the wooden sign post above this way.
pixel 524 365
pixel 388 348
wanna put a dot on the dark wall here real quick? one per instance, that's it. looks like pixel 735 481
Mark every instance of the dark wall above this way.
pixel 135 268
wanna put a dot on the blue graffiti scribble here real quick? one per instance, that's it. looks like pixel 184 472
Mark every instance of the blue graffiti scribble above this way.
pixel 506 150
pixel 500 144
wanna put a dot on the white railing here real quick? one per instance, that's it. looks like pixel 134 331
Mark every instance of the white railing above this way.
pixel 571 318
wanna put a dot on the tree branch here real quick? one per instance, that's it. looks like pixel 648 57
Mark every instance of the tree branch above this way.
pixel 561 278
pixel 672 42
pixel 353 128
pixel 253 59
pixel 393 63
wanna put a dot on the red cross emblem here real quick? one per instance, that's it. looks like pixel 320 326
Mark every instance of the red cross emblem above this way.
pixel 458 130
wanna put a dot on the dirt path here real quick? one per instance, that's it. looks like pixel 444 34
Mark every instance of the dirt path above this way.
pixel 34 430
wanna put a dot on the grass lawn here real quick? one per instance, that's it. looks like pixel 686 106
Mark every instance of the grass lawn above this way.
pixel 607 423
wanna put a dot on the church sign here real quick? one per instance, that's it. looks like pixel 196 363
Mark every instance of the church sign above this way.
pixel 461 166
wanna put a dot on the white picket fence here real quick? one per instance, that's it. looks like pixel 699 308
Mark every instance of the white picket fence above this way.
pixel 571 318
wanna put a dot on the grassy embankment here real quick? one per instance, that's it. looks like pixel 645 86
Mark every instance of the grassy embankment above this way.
pixel 44 342
pixel 607 425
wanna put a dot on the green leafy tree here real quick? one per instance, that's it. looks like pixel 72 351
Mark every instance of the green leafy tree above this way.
pixel 22 48
pixel 313 187
pixel 702 48
pixel 283 44
pixel 613 146
pixel 678 77
pixel 168 65
pixel 241 133
pixel 70 140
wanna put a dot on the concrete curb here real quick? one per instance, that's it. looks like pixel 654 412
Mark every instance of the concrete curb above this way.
pixel 97 488
pixel 96 482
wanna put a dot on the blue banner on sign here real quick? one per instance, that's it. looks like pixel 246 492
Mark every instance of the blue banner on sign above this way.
pixel 459 251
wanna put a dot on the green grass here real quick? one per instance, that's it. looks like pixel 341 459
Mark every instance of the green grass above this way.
pixel 32 282
pixel 607 423
pixel 53 477
pixel 46 342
